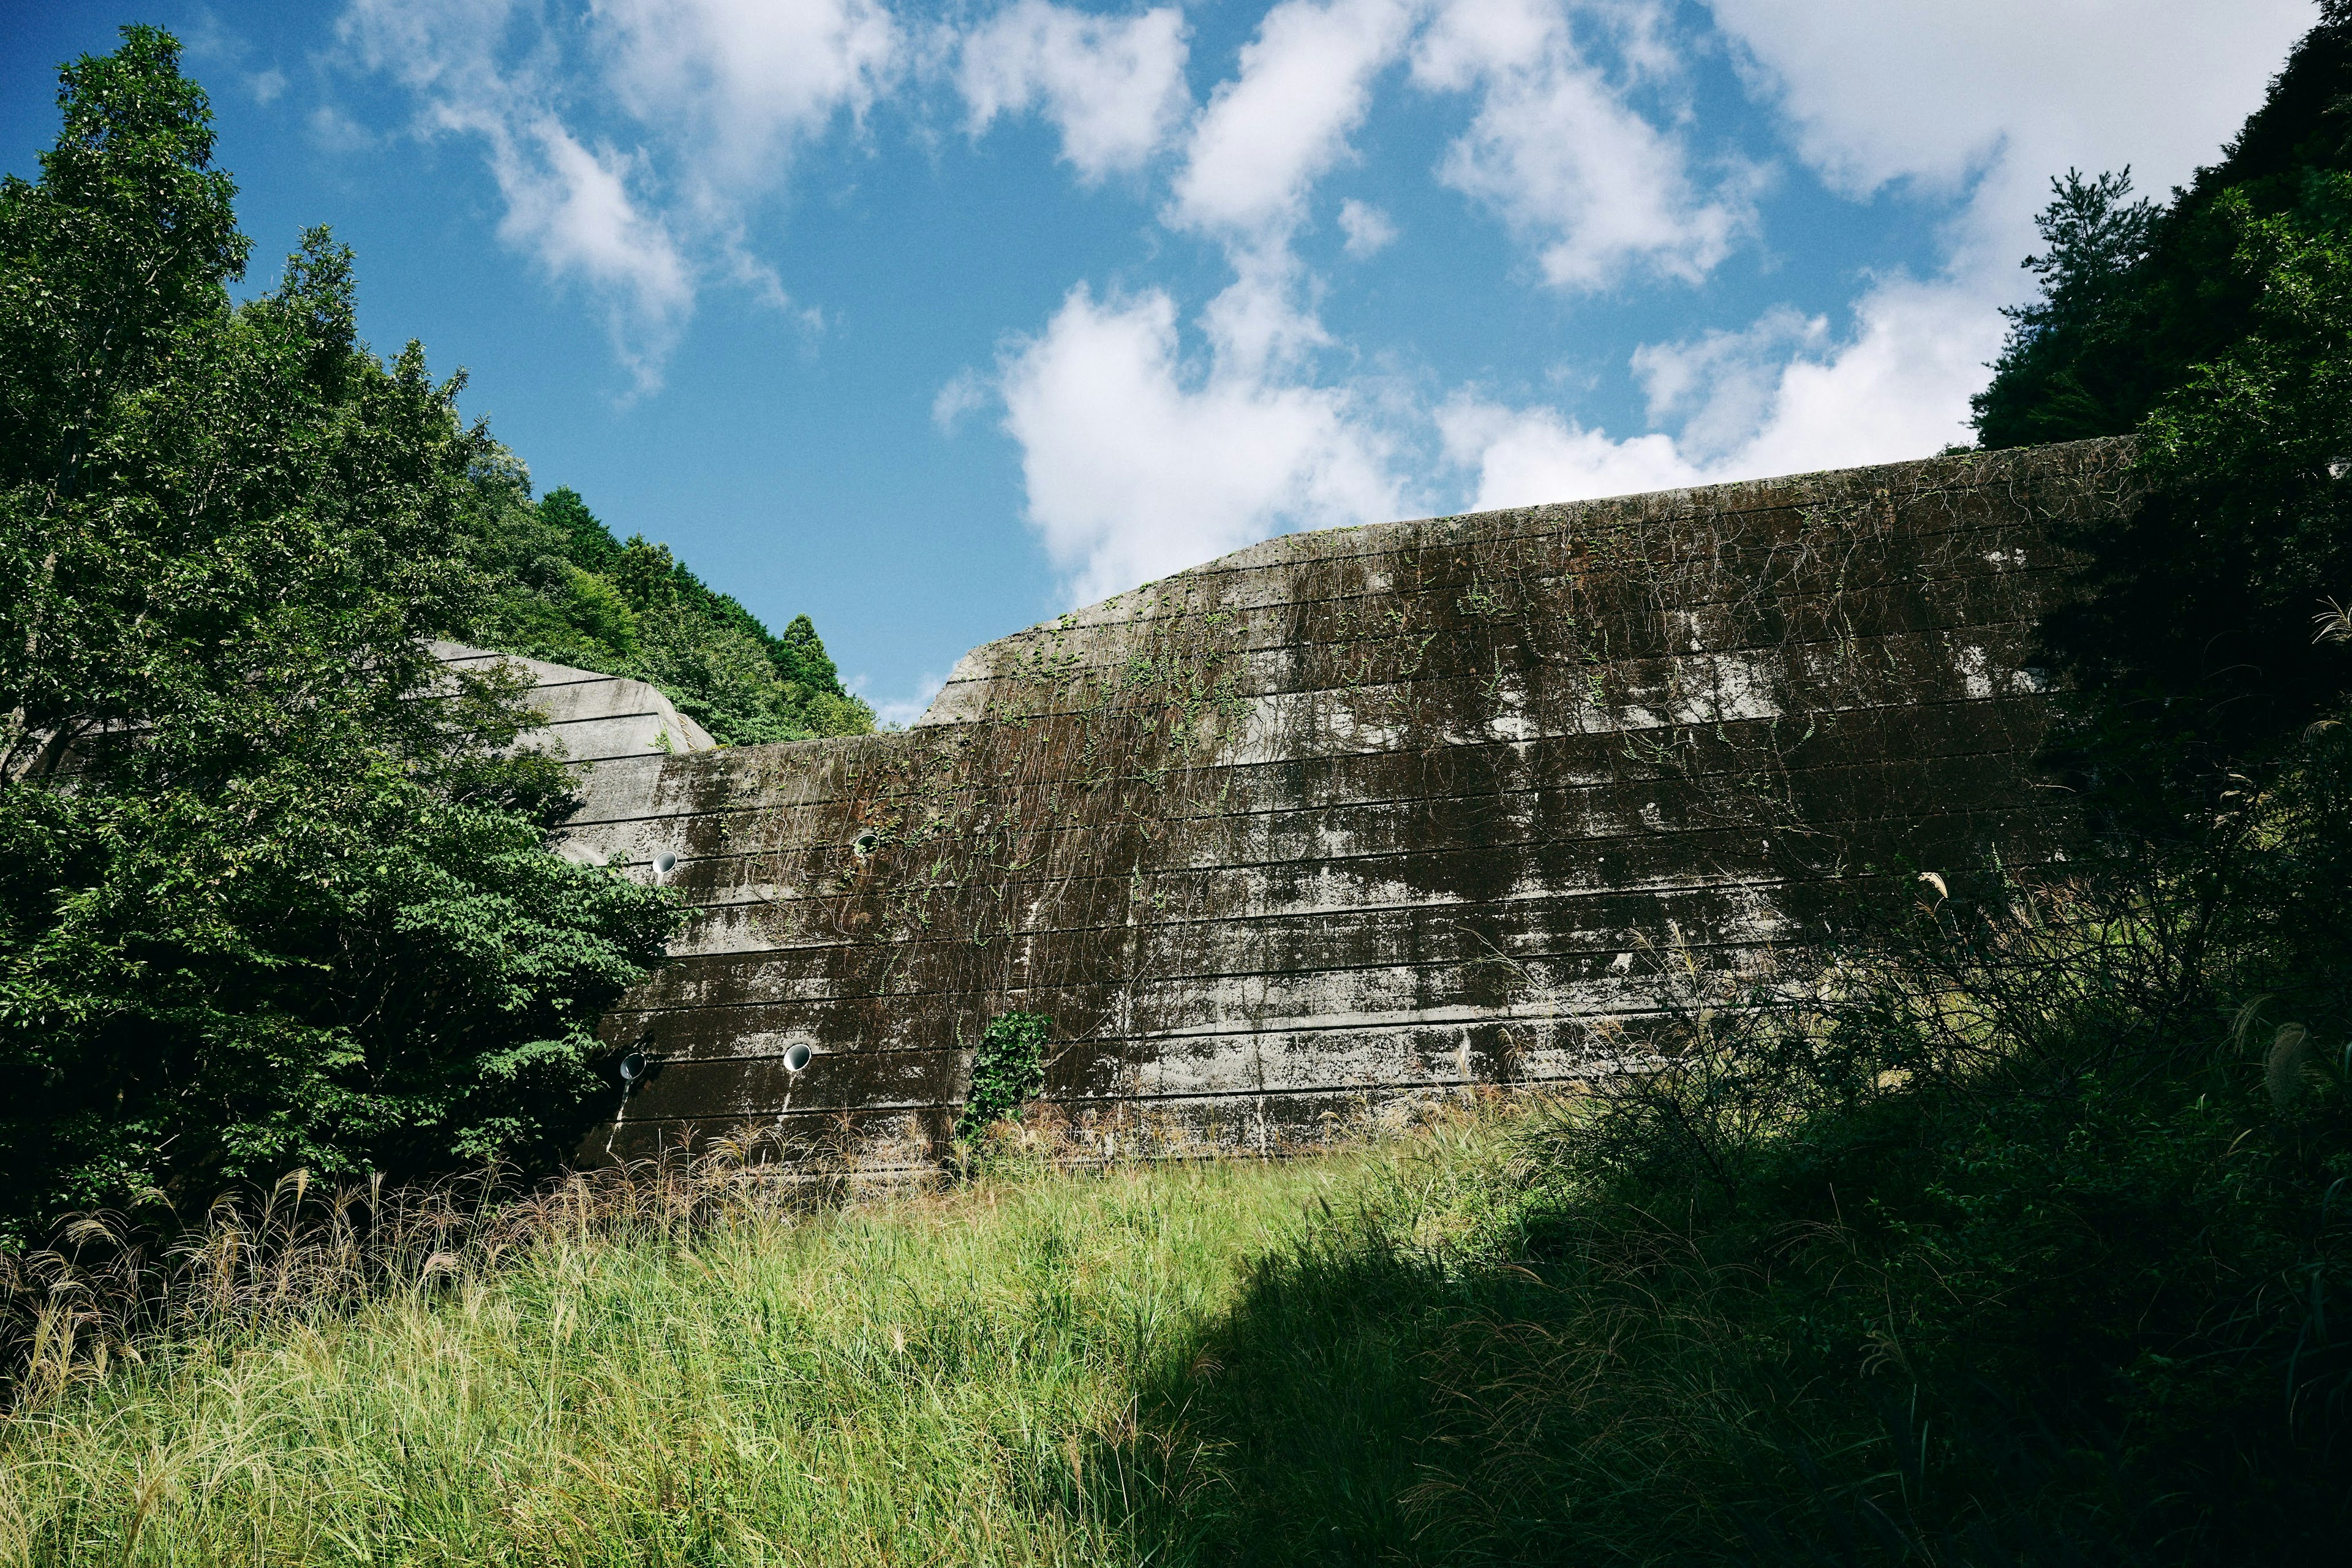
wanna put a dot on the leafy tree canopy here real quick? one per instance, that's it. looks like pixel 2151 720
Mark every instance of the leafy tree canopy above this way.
pixel 262 904
pixel 2218 327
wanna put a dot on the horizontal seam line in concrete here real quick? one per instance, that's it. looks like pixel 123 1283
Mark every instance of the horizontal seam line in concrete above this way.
pixel 1378 1024
pixel 1037 670
pixel 1500 902
pixel 1150 1097
pixel 1381 802
pixel 1601 841
pixel 1288 693
pixel 1997 700
pixel 1129 984
pixel 1788 601
pixel 1306 1024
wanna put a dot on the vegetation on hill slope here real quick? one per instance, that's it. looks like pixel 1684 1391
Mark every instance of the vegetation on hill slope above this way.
pixel 567 591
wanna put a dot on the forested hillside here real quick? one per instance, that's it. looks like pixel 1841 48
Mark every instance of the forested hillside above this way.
pixel 566 589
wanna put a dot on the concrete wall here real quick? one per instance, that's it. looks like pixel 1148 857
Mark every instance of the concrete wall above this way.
pixel 591 719
pixel 1350 818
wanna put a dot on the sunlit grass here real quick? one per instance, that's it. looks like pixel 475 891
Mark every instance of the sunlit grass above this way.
pixel 918 1380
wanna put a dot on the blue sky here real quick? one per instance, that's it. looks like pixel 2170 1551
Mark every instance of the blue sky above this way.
pixel 934 321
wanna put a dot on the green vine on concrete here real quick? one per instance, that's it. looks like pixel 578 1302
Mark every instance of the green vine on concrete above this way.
pixel 1008 1070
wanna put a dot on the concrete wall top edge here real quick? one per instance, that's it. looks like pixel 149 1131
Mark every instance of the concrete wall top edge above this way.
pixel 1961 471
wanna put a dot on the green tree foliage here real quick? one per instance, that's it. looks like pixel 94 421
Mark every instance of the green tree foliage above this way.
pixel 261 905
pixel 569 592
pixel 2218 329
pixel 2135 297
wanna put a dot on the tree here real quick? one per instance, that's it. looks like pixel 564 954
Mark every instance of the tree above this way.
pixel 2135 297
pixel 2054 380
pixel 265 900
pixel 2218 329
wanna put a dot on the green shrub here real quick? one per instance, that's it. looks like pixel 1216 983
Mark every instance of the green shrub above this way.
pixel 1008 1070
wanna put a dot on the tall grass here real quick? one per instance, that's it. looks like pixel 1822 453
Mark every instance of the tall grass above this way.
pixel 920 1380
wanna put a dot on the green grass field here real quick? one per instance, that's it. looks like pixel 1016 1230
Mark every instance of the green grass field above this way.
pixel 933 1378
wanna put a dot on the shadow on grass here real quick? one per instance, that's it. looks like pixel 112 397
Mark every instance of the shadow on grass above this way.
pixel 1630 1403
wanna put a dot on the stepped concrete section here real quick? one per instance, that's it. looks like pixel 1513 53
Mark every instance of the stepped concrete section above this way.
pixel 590 719
pixel 1347 820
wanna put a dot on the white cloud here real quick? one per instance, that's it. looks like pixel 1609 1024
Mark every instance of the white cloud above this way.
pixel 721 92
pixel 1994 97
pixel 1885 90
pixel 1985 101
pixel 1305 84
pixel 1526 456
pixel 965 393
pixel 1137 465
pixel 1113 86
pixel 734 84
pixel 1721 384
pixel 1898 387
pixel 1776 398
pixel 1370 230
pixel 1559 152
pixel 571 207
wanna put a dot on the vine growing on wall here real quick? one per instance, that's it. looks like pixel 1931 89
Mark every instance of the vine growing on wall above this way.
pixel 1008 1070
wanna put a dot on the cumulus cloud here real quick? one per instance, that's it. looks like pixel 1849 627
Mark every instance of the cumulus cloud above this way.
pixel 719 93
pixel 1720 385
pixel 734 84
pixel 1778 397
pixel 571 207
pixel 1138 465
pixel 1875 91
pixel 1370 230
pixel 1980 102
pixel 1559 152
pixel 1113 86
pixel 1526 456
pixel 1897 385
pixel 1303 84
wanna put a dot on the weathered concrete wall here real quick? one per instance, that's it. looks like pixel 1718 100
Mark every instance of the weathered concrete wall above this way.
pixel 1355 816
